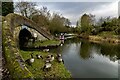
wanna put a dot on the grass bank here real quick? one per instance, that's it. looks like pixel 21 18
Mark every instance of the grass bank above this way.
pixel 108 37
pixel 47 43
pixel 58 70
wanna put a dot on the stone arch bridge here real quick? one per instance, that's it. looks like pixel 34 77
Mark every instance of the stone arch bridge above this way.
pixel 15 20
pixel 10 32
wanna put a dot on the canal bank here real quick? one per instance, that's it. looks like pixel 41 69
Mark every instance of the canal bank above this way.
pixel 57 71
pixel 100 39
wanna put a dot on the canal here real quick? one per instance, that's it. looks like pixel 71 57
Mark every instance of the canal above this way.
pixel 90 60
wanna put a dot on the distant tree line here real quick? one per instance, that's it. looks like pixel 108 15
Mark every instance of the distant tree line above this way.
pixel 88 25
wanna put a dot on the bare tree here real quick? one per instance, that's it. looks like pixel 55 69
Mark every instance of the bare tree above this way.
pixel 25 8
pixel 41 16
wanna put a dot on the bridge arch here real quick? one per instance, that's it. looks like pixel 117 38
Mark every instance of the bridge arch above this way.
pixel 15 20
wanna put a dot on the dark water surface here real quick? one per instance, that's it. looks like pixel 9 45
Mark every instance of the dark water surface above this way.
pixel 90 60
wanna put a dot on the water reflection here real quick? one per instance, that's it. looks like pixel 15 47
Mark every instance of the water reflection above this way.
pixel 108 50
pixel 89 60
pixel 85 51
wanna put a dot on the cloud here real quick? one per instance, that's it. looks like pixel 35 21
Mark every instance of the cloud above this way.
pixel 70 10
pixel 110 9
pixel 98 9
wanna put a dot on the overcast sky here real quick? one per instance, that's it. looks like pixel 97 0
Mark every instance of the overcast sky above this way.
pixel 74 10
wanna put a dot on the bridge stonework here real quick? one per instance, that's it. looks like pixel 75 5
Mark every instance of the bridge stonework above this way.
pixel 17 20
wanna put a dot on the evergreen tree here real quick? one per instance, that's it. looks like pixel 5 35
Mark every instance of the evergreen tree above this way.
pixel 7 7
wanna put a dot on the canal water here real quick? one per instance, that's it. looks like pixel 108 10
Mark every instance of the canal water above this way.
pixel 90 60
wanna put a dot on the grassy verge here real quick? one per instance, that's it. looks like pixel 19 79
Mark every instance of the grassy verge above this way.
pixel 107 34
pixel 46 43
pixel 108 37
pixel 58 70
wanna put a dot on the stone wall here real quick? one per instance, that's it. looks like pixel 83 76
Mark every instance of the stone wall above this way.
pixel 39 36
pixel 11 54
